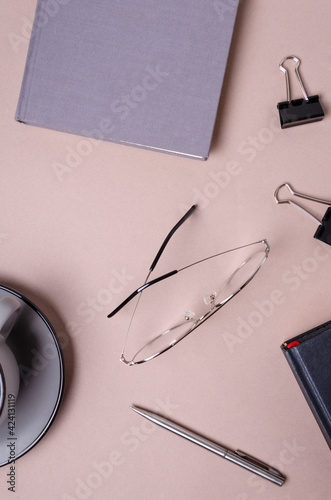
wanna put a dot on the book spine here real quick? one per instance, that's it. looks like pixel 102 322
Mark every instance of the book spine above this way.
pixel 309 391
pixel 36 34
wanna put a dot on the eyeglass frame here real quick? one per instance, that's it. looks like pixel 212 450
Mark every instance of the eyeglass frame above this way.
pixel 205 316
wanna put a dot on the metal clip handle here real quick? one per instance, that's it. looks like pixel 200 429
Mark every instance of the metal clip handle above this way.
pixel 299 195
pixel 284 70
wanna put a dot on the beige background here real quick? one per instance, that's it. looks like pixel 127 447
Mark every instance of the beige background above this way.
pixel 65 237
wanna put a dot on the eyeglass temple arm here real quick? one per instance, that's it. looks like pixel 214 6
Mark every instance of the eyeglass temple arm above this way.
pixel 173 230
pixel 155 261
pixel 140 289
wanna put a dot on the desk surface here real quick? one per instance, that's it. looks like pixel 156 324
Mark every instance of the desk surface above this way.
pixel 81 222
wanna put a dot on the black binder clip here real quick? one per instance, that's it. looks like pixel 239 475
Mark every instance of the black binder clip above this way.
pixel 298 111
pixel 323 232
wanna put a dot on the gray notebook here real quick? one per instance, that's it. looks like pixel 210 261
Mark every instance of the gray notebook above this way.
pixel 147 73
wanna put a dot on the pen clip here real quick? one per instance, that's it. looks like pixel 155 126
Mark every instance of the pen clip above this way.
pixel 258 463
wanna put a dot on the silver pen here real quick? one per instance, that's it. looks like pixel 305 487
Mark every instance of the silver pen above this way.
pixel 237 457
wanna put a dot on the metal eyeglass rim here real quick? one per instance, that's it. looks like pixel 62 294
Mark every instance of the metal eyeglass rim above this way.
pixel 199 321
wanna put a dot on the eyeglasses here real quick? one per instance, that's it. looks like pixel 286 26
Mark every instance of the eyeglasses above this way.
pixel 166 303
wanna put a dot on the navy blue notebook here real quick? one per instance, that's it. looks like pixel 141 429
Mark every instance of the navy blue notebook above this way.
pixel 309 356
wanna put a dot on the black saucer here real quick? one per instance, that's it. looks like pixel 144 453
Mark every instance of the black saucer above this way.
pixel 38 353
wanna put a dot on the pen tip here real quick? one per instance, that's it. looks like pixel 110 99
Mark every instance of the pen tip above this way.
pixel 137 410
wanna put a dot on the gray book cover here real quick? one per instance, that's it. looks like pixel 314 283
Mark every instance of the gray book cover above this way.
pixel 147 73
